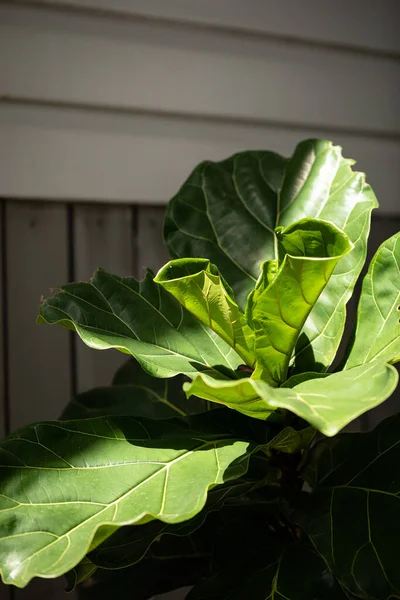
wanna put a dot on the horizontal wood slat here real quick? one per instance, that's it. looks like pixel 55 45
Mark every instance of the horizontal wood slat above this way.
pixel 78 58
pixel 78 155
pixel 358 24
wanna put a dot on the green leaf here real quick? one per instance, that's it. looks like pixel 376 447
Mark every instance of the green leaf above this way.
pixel 377 334
pixel 197 285
pixel 278 307
pixel 290 441
pixel 251 562
pixel 141 319
pixel 297 574
pixel 227 212
pixel 163 570
pixel 135 393
pixel 128 545
pixel 125 400
pixel 353 517
pixel 66 486
pixel 301 377
pixel 80 573
pixel 328 403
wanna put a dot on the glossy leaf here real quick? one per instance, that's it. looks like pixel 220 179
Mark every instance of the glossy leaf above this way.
pixel 353 518
pixel 66 486
pixel 135 393
pixel 141 319
pixel 197 285
pixel 377 335
pixel 227 212
pixel 308 252
pixel 328 403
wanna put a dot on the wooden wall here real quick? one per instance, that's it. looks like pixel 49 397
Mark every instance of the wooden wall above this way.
pixel 44 245
pixel 116 100
pixel 105 107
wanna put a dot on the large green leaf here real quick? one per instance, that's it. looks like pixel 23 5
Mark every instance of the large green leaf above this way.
pixel 327 403
pixel 126 400
pixel 197 285
pixel 142 319
pixel 135 393
pixel 278 307
pixel 353 517
pixel 128 545
pixel 377 335
pixel 227 212
pixel 253 559
pixel 66 486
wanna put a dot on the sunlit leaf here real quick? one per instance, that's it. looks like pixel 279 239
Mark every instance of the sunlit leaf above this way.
pixel 66 486
pixel 377 335
pixel 198 286
pixel 278 307
pixel 227 212
pixel 141 319
pixel 328 403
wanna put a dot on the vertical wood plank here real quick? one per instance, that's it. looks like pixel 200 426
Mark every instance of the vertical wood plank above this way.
pixel 4 589
pixel 38 356
pixel 3 341
pixel 152 252
pixel 103 237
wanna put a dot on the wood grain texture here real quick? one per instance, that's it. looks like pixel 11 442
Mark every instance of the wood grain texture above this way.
pixel 97 156
pixel 39 357
pixel 130 64
pixel 103 237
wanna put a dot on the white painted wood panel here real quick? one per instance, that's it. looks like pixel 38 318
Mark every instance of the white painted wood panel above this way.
pixel 39 356
pixel 94 156
pixel 103 237
pixel 79 58
pixel 360 23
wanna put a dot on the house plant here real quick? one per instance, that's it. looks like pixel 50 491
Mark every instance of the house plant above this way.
pixel 216 458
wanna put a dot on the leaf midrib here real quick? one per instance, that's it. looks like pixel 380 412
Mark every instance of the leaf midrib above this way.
pixel 116 501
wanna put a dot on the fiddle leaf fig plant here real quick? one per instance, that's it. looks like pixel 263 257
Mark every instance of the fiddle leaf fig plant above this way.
pixel 216 459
